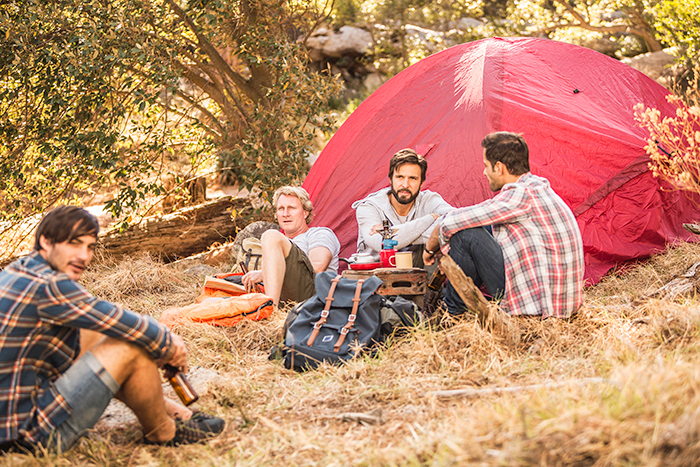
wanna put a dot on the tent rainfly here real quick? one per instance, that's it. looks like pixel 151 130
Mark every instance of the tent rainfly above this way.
pixel 574 106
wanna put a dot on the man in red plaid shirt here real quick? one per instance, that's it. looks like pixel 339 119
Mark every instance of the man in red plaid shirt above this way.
pixel 523 245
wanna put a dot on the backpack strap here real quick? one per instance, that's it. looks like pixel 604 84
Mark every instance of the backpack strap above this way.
pixel 351 319
pixel 324 313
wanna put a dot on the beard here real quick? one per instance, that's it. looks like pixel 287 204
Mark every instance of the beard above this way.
pixel 408 200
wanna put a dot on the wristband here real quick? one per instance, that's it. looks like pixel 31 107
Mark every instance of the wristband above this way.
pixel 431 253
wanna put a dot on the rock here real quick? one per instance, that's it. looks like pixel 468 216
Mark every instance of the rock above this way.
pixel 254 229
pixel 603 45
pixel 223 254
pixel 467 23
pixel 372 81
pixel 201 270
pixel 656 65
pixel 348 41
pixel 428 38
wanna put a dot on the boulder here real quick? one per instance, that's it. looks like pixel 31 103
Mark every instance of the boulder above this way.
pixel 656 65
pixel 348 41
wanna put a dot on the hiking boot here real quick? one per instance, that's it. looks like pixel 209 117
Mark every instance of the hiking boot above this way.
pixel 215 424
pixel 199 428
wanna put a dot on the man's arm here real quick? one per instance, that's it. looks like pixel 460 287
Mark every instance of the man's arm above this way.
pixel 320 258
pixel 323 248
pixel 432 246
pixel 69 304
pixel 370 217
pixel 508 206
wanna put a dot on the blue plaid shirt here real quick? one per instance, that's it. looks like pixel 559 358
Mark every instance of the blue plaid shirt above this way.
pixel 41 313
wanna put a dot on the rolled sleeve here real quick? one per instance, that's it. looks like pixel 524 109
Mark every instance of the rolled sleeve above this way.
pixel 69 304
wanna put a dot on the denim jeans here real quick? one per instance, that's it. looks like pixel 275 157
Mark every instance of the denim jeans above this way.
pixel 481 258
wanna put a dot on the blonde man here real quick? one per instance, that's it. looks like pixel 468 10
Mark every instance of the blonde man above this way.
pixel 292 258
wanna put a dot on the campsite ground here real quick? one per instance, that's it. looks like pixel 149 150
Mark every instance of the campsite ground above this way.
pixel 644 410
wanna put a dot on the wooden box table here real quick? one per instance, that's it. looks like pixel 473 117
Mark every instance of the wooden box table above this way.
pixel 410 281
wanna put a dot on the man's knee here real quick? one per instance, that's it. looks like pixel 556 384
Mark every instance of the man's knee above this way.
pixel 274 240
pixel 467 237
pixel 120 358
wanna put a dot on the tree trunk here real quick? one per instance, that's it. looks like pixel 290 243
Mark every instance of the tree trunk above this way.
pixel 182 233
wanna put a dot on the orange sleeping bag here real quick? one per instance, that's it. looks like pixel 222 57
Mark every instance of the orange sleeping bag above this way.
pixel 221 303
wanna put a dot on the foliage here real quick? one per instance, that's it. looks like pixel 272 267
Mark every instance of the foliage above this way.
pixel 674 143
pixel 65 98
pixel 678 24
pixel 405 31
pixel 622 26
pixel 95 92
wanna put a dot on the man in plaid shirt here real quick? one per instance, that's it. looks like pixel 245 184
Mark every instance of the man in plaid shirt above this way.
pixel 64 354
pixel 532 258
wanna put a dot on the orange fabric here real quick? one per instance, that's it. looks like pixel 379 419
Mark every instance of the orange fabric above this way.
pixel 225 312
pixel 209 292
pixel 221 307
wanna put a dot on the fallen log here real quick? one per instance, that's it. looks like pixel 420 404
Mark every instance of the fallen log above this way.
pixel 182 233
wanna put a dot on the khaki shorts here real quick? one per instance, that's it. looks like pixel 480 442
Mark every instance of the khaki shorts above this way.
pixel 299 276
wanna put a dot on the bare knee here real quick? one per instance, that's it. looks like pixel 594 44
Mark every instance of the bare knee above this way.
pixel 121 358
pixel 272 238
pixel 273 241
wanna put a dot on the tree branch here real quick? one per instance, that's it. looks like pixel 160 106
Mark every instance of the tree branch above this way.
pixel 214 55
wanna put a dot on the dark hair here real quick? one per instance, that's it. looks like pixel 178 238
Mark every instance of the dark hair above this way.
pixel 66 223
pixel 408 156
pixel 508 148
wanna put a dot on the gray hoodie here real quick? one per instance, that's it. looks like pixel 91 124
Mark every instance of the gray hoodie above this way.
pixel 414 229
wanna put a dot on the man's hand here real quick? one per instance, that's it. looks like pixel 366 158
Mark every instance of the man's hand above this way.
pixel 250 279
pixel 431 249
pixel 176 355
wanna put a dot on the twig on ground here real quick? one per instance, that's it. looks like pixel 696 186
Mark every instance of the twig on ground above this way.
pixel 473 393
pixel 373 417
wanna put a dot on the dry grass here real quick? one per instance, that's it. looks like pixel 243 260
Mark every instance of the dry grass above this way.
pixel 648 414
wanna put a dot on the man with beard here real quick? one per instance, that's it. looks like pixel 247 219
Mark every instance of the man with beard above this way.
pixel 413 213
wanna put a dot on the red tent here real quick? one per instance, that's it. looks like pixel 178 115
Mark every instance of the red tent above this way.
pixel 574 106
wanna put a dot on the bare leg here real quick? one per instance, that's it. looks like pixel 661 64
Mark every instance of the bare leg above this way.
pixel 139 377
pixel 275 248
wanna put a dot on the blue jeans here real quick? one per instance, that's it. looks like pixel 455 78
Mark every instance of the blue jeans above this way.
pixel 481 258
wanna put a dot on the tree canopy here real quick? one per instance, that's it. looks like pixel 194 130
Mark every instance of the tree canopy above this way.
pixel 95 92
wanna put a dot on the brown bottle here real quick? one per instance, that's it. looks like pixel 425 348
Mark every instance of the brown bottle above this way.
pixel 432 292
pixel 181 386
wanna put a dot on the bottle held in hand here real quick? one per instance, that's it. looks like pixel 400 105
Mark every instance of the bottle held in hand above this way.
pixel 432 292
pixel 181 386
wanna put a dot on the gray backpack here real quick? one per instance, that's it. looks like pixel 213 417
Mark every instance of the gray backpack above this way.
pixel 334 325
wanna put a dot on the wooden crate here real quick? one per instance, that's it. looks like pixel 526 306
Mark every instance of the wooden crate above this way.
pixel 396 281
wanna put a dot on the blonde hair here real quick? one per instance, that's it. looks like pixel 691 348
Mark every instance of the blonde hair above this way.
pixel 299 193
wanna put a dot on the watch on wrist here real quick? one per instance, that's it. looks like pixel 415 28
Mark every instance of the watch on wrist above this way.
pixel 431 253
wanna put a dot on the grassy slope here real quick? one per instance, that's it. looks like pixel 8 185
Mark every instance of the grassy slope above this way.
pixel 647 415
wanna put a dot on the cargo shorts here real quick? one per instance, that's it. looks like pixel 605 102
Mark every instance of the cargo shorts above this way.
pixel 299 276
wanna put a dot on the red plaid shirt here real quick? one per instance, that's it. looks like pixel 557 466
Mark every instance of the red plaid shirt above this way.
pixel 541 243
pixel 41 313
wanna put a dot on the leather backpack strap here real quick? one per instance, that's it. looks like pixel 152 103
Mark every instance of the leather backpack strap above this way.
pixel 351 319
pixel 325 312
